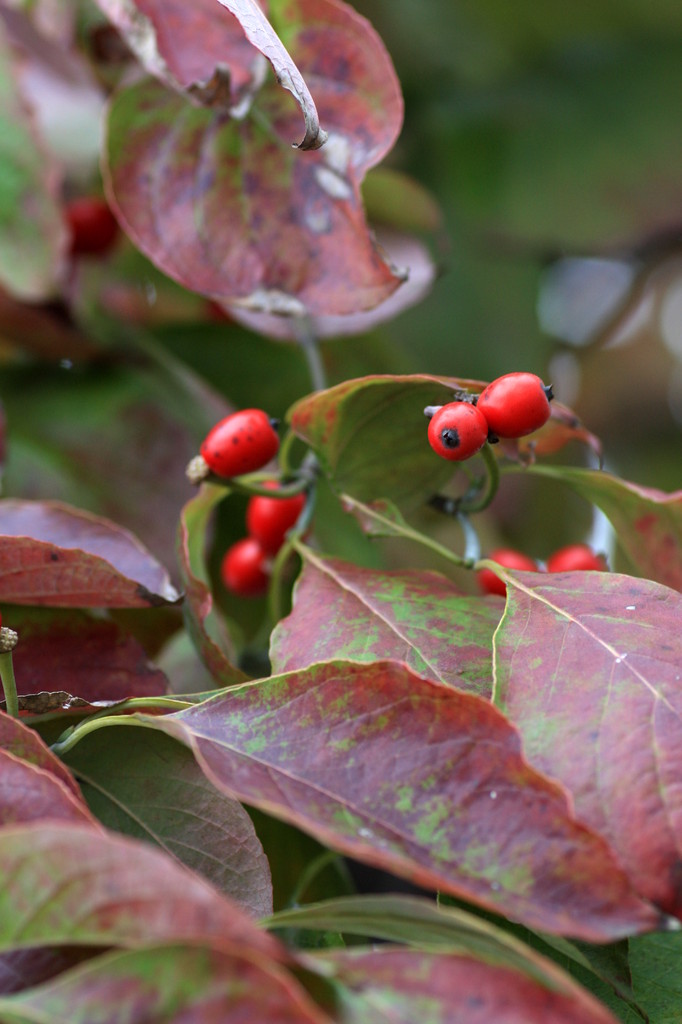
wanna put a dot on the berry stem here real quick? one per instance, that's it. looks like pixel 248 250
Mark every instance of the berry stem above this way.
pixel 8 641
pixel 277 581
pixel 492 484
pixel 472 545
pixel 308 342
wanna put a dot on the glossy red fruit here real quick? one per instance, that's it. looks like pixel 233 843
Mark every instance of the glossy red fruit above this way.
pixel 244 569
pixel 515 405
pixel 241 443
pixel 268 519
pixel 94 228
pixel 510 559
pixel 457 431
pixel 575 557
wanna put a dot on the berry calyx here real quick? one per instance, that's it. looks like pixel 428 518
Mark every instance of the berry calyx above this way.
pixel 576 557
pixel 240 443
pixel 244 568
pixel 93 227
pixel 510 559
pixel 515 405
pixel 457 431
pixel 269 519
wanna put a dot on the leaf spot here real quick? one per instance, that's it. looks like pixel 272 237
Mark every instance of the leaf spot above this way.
pixel 331 182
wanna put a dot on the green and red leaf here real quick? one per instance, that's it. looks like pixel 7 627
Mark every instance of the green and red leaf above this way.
pixel 438 988
pixel 221 205
pixel 370 434
pixel 341 610
pixel 206 625
pixel 198 983
pixel 83 886
pixel 416 778
pixel 648 522
pixel 589 667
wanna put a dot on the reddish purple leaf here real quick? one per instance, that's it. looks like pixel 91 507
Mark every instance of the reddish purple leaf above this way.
pixel 402 251
pixel 416 778
pixel 30 793
pixel 88 658
pixel 344 611
pixel 219 984
pixel 589 667
pixel 648 522
pixel 221 206
pixel 82 886
pixel 26 744
pixel 205 624
pixel 441 988
pixel 52 554
pixel 183 44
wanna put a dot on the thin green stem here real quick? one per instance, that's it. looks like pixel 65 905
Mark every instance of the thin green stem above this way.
pixel 277 582
pixel 315 868
pixel 252 485
pixel 493 482
pixel 309 345
pixel 9 684
pixel 61 747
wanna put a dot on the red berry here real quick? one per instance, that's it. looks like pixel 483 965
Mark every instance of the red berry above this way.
pixel 268 519
pixel 240 443
pixel 575 557
pixel 510 559
pixel 515 405
pixel 457 431
pixel 93 226
pixel 244 570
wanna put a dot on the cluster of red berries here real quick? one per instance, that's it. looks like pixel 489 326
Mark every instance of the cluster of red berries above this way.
pixel 245 568
pixel 572 558
pixel 510 406
pixel 242 443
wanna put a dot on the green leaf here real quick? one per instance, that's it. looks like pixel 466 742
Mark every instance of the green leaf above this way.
pixel 370 435
pixel 147 786
pixel 656 977
pixel 421 923
pixel 207 627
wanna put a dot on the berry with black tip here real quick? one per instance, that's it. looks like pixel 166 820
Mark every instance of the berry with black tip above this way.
pixel 240 443
pixel 269 519
pixel 516 404
pixel 457 431
pixel 509 559
pixel 576 557
pixel 244 568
